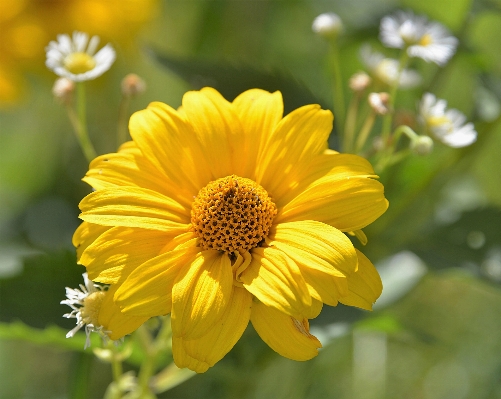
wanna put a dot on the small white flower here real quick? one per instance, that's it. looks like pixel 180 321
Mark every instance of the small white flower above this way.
pixel 76 59
pixel 327 25
pixel 85 303
pixel 386 69
pixel 447 125
pixel 430 41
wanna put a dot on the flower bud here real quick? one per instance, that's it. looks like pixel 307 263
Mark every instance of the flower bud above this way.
pixel 379 102
pixel 327 25
pixel 133 85
pixel 422 145
pixel 359 82
pixel 63 90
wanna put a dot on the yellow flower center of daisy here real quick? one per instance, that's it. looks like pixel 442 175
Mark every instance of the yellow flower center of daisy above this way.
pixel 232 214
pixel 90 309
pixel 425 40
pixel 79 63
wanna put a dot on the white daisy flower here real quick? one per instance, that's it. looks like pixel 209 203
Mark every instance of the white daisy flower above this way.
pixel 430 41
pixel 447 125
pixel 386 69
pixel 76 59
pixel 85 304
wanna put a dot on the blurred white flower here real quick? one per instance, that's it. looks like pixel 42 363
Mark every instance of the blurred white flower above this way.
pixel 386 69
pixel 76 58
pixel 447 125
pixel 85 304
pixel 430 41
pixel 327 25
pixel 379 102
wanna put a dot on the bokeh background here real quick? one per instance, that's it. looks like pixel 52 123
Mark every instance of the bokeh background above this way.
pixel 436 331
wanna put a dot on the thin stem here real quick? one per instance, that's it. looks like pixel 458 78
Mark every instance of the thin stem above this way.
pixel 116 363
pixel 385 134
pixel 351 119
pixel 338 92
pixel 389 157
pixel 78 120
pixel 122 120
pixel 149 363
pixel 365 131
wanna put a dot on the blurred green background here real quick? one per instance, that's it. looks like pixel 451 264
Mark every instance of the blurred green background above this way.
pixel 436 331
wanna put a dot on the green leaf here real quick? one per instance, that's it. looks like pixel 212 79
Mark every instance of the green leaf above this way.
pixel 232 79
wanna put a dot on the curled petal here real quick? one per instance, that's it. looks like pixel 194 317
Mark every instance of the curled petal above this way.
pixel 284 334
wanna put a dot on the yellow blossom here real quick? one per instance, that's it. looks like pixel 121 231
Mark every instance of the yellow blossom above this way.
pixel 224 212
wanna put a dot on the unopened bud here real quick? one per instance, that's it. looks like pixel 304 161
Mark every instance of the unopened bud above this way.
pixel 379 102
pixel 133 85
pixel 63 90
pixel 327 25
pixel 359 82
pixel 422 145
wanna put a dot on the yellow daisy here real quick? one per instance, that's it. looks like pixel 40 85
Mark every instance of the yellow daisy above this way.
pixel 224 212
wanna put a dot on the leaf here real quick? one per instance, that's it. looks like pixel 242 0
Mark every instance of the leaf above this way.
pixel 232 79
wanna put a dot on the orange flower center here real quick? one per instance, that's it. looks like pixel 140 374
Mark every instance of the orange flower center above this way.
pixel 91 306
pixel 232 214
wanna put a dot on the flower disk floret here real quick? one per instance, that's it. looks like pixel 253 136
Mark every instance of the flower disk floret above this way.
pixel 221 213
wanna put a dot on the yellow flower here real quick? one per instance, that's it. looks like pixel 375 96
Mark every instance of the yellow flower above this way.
pixel 224 212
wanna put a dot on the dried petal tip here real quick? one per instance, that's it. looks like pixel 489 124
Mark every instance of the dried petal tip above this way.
pixel 63 90
pixel 422 145
pixel 327 25
pixel 133 85
pixel 379 102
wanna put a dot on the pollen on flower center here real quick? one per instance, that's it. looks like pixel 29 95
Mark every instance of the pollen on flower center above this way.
pixel 91 306
pixel 232 214
pixel 425 40
pixel 79 63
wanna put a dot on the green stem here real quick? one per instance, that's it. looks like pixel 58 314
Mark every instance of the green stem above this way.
pixel 122 120
pixel 78 120
pixel 365 131
pixel 388 157
pixel 116 363
pixel 351 119
pixel 385 134
pixel 149 363
pixel 338 92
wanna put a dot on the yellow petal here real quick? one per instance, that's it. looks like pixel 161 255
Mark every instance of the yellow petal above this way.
pixel 168 141
pixel 134 207
pixel 316 245
pixel 276 280
pixel 299 136
pixel 182 359
pixel 114 321
pixel 349 204
pixel 219 339
pixel 200 294
pixel 217 128
pixel 147 291
pixel 106 257
pixel 129 168
pixel 324 255
pixel 337 166
pixel 284 334
pixel 85 235
pixel 260 112
pixel 364 286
